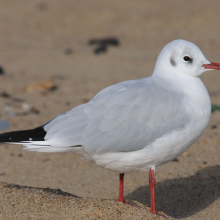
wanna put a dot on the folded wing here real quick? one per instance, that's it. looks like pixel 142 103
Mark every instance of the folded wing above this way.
pixel 124 117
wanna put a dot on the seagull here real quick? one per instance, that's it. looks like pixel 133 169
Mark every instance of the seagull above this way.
pixel 134 125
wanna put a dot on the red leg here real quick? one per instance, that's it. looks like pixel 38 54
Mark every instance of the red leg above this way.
pixel 152 183
pixel 121 188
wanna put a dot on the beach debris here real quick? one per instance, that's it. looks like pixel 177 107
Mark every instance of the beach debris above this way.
pixel 19 107
pixel 41 86
pixel 2 70
pixel 175 160
pixel 5 95
pixel 185 153
pixel 213 126
pixel 215 107
pixel 103 44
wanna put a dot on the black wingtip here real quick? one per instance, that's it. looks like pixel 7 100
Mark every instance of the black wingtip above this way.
pixel 36 134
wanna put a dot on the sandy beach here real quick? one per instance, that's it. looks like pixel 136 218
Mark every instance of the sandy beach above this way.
pixel 49 68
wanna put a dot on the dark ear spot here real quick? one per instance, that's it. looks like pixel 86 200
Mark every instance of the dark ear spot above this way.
pixel 173 63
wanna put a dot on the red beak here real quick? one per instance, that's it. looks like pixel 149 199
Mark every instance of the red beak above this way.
pixel 214 66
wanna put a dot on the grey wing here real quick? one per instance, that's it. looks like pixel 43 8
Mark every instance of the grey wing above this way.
pixel 125 117
pixel 134 117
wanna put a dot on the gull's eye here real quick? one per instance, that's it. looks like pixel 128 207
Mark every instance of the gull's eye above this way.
pixel 186 58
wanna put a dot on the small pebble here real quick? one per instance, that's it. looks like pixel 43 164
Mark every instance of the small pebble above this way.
pixel 175 160
pixel 213 126
pixel 2 71
pixel 5 95
pixel 68 51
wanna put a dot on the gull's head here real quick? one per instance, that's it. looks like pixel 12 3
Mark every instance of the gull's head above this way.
pixel 183 57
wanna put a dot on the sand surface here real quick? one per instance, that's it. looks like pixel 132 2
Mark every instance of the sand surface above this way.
pixel 47 41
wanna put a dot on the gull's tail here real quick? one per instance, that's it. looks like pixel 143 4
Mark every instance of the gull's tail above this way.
pixel 33 140
pixel 23 136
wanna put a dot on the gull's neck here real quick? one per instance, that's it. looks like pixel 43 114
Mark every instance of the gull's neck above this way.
pixel 193 86
pixel 174 77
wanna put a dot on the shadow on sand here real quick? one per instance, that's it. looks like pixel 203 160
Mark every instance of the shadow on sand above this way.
pixel 183 197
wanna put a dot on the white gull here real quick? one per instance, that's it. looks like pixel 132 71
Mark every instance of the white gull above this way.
pixel 134 125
